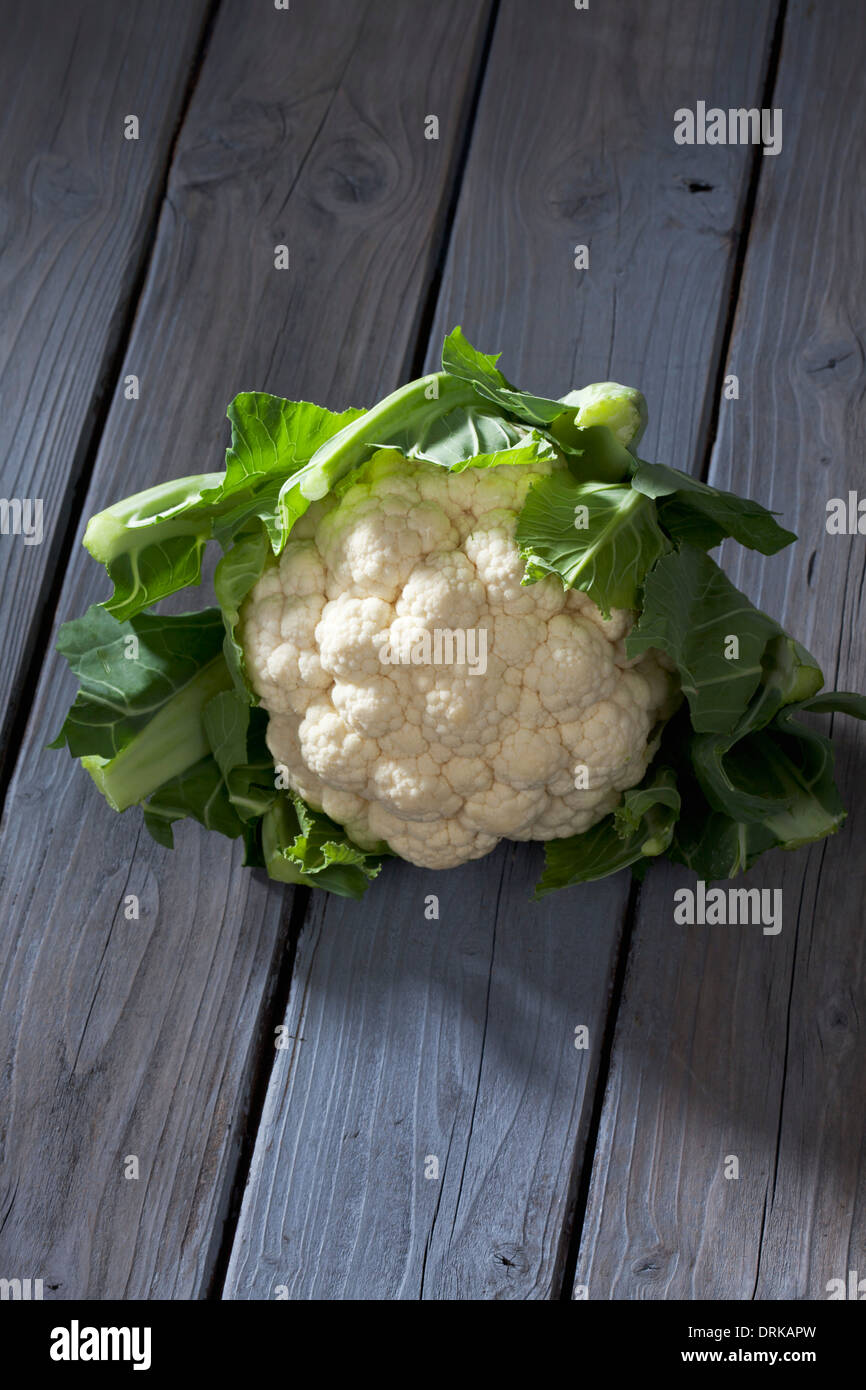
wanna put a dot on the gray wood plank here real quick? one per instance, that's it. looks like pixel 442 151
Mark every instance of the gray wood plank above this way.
pixel 79 202
pixel 729 1041
pixel 456 1039
pixel 141 1037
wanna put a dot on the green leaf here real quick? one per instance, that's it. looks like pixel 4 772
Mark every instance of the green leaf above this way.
pixel 594 454
pixel 472 436
pixel 227 721
pixel 235 575
pixel 602 404
pixel 236 733
pixel 691 610
pixel 300 845
pixel 638 813
pixel 716 847
pixel 152 544
pixel 769 785
pixel 438 417
pixel 199 792
pixel 790 769
pixel 460 359
pixel 230 789
pixel 597 537
pixel 641 827
pixel 400 416
pixel 273 436
pixel 787 673
pixel 272 440
pixel 137 719
pixel 778 791
pixel 837 702
pixel 696 514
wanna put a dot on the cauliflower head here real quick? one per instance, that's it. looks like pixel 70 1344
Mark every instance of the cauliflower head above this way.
pixel 419 694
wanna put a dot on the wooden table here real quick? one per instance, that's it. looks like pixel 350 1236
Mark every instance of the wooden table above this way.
pixel 283 1066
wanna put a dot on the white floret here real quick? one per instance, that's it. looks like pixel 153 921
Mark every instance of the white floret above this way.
pixel 565 815
pixel 437 845
pixel 608 736
pixel 350 635
pixel 301 569
pixel 500 810
pixel 335 751
pixel 526 720
pixel 412 788
pixel 372 707
pixel 443 591
pixel 615 626
pixel 492 549
pixel 572 668
pixel 530 757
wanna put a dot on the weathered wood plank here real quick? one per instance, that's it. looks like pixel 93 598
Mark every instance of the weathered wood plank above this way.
pixel 729 1041
pixel 456 1039
pixel 79 202
pixel 140 1037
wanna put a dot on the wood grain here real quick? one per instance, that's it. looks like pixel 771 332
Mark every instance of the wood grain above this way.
pixel 729 1041
pixel 140 1037
pixel 76 219
pixel 455 1039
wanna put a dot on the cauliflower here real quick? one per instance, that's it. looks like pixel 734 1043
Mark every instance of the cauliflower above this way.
pixel 465 613
pixel 420 694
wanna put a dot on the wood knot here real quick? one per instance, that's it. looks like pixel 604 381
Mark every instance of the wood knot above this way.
pixel 350 173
